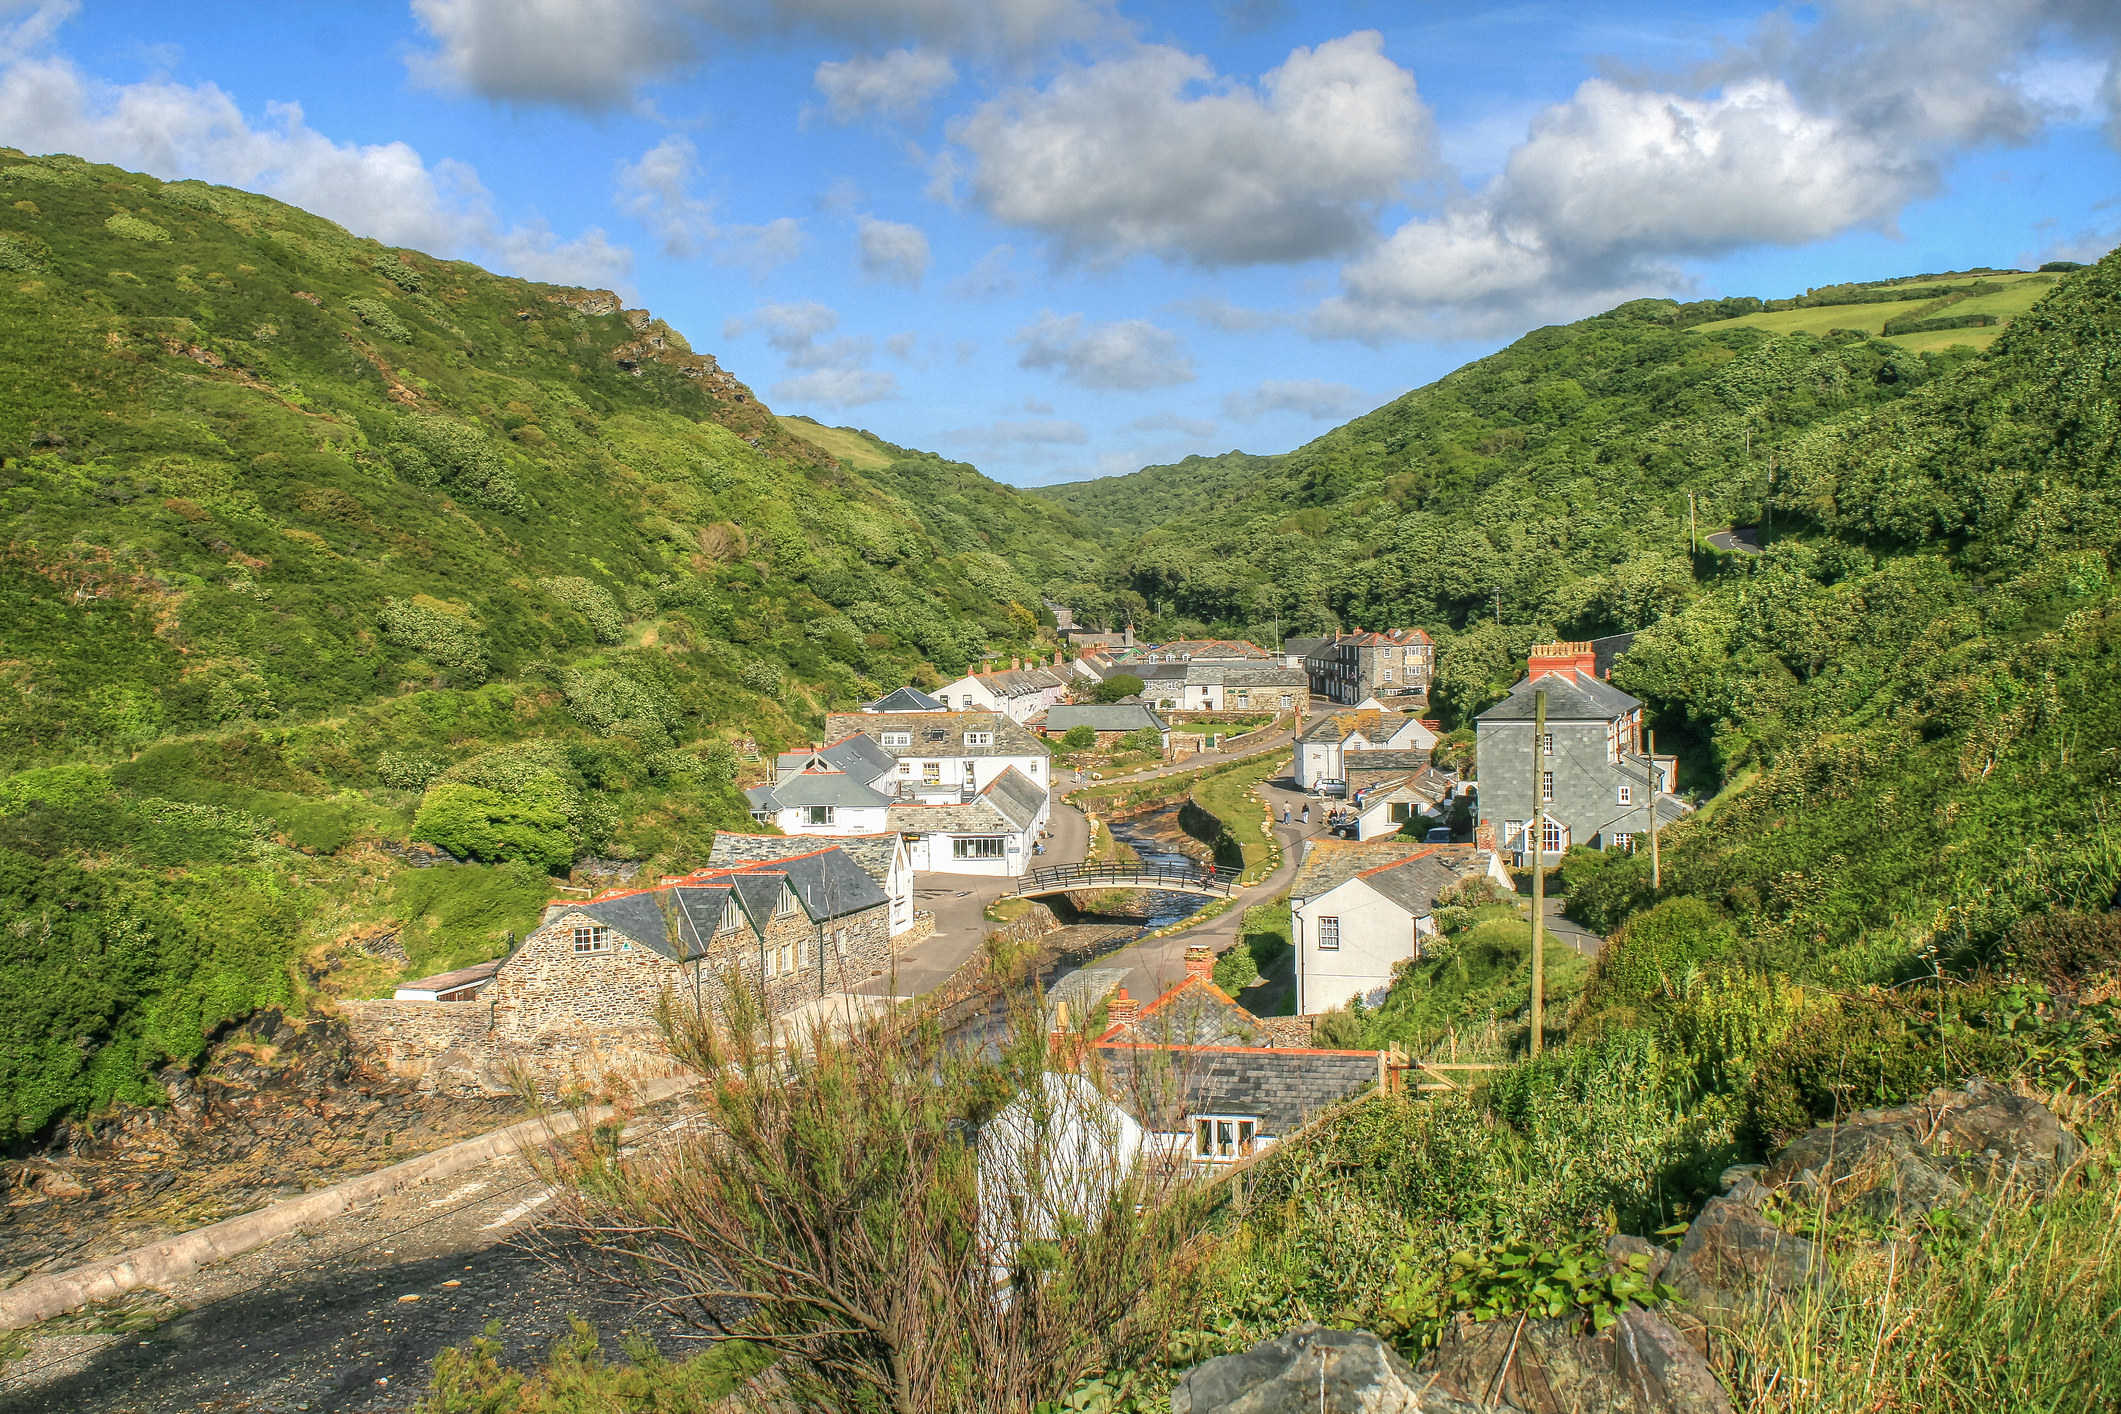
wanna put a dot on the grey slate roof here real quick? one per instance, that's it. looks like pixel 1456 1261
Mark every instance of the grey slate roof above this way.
pixel 1303 647
pixel 827 883
pixel 940 733
pixel 1570 698
pixel 979 815
pixel 1409 760
pixel 1245 674
pixel 1339 726
pixel 1284 1089
pixel 873 853
pixel 814 788
pixel 906 699
pixel 695 910
pixel 463 977
pixel 1017 796
pixel 1017 682
pixel 1415 884
pixel 1327 864
pixel 1100 717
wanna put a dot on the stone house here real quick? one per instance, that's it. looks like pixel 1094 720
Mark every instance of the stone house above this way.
pixel 1110 723
pixel 1187 650
pixel 882 857
pixel 1324 748
pixel 1211 1082
pixel 1225 685
pixel 1357 911
pixel 1595 784
pixel 576 1001
pixel 1353 667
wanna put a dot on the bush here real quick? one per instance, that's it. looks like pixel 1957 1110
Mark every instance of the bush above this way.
pixel 458 455
pixel 1652 955
pixel 592 601
pixel 441 632
pixel 530 825
pixel 1079 737
pixel 1236 969
pixel 135 229
pixel 395 270
pixel 381 318
pixel 1119 685
pixel 1147 739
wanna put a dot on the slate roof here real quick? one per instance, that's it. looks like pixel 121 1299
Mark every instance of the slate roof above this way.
pixel 1245 674
pixel 814 788
pixel 853 753
pixel 1185 649
pixel 1604 651
pixel 1017 796
pixel 1407 760
pixel 1339 726
pixel 1101 717
pixel 1195 1012
pixel 1017 682
pixel 905 699
pixel 1327 864
pixel 1303 647
pixel 1283 1088
pixel 978 816
pixel 451 981
pixel 1415 884
pixel 937 734
pixel 1571 697
pixel 874 853
pixel 827 884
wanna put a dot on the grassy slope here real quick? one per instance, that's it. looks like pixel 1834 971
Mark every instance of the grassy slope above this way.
pixel 309 539
pixel 2019 294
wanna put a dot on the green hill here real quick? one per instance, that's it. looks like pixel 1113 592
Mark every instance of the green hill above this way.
pixel 316 546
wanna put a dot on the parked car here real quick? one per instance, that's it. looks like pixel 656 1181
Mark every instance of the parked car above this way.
pixel 1332 788
pixel 1440 835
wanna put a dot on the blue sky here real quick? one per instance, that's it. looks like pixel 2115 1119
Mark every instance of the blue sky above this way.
pixel 1067 238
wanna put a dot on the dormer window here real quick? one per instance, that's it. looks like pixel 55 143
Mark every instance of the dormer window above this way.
pixel 979 738
pixel 784 905
pixel 732 918
pixel 898 738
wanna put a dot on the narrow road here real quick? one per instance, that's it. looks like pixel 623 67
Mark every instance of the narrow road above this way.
pixel 1735 541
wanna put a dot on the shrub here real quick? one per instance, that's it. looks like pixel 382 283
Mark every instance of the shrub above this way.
pixel 471 822
pixel 381 318
pixel 459 455
pixel 1653 953
pixel 395 270
pixel 440 632
pixel 1236 969
pixel 763 678
pixel 1080 737
pixel 1147 739
pixel 23 254
pixel 616 704
pixel 404 770
pixel 592 601
pixel 135 229
pixel 1119 685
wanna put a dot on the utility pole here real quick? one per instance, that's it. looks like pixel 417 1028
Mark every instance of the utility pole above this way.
pixel 1656 782
pixel 1536 838
pixel 1693 534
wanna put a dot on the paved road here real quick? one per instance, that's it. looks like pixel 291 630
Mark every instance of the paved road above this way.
pixel 1742 541
pixel 316 1321
pixel 1566 930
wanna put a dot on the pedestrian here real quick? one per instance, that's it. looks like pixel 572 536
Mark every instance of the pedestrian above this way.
pixel 1285 812
pixel 1307 814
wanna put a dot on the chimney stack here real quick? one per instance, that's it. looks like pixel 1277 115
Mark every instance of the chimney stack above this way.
pixel 1200 962
pixel 1121 1009
pixel 1016 665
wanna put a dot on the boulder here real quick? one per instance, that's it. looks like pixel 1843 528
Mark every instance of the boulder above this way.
pixel 1914 1159
pixel 1735 1262
pixel 1308 1369
pixel 1638 1365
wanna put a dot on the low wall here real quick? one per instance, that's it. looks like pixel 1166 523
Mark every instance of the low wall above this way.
pixel 454 1048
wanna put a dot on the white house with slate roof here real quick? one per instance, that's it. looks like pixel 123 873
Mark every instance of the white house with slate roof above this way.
pixel 1324 747
pixel 992 833
pixel 1022 691
pixel 941 757
pixel 1359 910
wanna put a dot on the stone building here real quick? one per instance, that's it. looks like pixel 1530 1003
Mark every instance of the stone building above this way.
pixel 1353 667
pixel 1109 722
pixel 1328 748
pixel 1595 784
pixel 576 1002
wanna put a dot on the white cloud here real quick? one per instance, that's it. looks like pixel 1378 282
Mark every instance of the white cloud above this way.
pixel 992 275
pixel 1020 435
pixel 1798 135
pixel 837 387
pixel 658 190
pixel 596 54
pixel 1194 427
pixel 892 251
pixel 888 84
pixel 385 190
pixel 586 54
pixel 1307 397
pixel 1127 353
pixel 1152 152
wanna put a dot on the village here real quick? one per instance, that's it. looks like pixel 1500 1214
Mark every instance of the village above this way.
pixel 1059 805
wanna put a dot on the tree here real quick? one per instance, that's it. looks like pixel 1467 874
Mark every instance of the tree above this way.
pixel 1079 737
pixel 1119 685
pixel 1146 739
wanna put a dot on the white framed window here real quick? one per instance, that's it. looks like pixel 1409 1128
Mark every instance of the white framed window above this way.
pixel 1222 1138
pixel 1625 843
pixel 788 958
pixel 1287 702
pixel 979 847
pixel 932 772
pixel 1511 829
pixel 898 738
pixel 1550 743
pixel 592 937
pixel 785 904
pixel 979 738
pixel 1385 676
pixel 1624 795
pixel 905 768
pixel 1329 935
pixel 1034 768
pixel 732 918
pixel 1550 837
pixel 1546 785
pixel 817 814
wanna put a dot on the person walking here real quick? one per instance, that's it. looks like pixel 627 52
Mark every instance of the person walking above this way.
pixel 1307 814
pixel 1285 812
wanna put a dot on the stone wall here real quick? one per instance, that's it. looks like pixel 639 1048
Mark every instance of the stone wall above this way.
pixel 563 1019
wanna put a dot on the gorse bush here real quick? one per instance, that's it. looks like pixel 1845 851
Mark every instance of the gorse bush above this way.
pixel 442 633
pixel 592 601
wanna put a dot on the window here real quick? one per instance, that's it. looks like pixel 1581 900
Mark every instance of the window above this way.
pixel 905 768
pixel 932 771
pixel 788 959
pixel 967 702
pixel 732 918
pixel 1546 785
pixel 1511 830
pixel 1287 702
pixel 1624 843
pixel 898 738
pixel 1329 935
pixel 839 943
pixel 1222 1138
pixel 1550 743
pixel 1401 812
pixel 1034 768
pixel 1625 795
pixel 983 847
pixel 817 814
pixel 1550 837
pixel 1386 676
pixel 979 738
pixel 592 938
pixel 785 904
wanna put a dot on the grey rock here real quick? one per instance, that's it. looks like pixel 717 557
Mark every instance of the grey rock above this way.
pixel 1734 1263
pixel 1640 1364
pixel 1311 1369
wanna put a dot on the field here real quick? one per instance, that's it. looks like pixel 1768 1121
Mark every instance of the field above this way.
pixel 2007 304
pixel 850 446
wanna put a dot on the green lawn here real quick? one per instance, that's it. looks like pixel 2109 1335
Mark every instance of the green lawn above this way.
pixel 2006 304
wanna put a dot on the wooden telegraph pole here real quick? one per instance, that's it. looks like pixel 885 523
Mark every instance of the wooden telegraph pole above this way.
pixel 1535 838
pixel 1693 534
pixel 1656 781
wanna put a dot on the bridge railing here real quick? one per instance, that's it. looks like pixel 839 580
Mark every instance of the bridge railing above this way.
pixel 1114 875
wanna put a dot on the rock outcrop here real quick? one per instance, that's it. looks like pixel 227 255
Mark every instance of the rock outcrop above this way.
pixel 1638 1365
pixel 1308 1369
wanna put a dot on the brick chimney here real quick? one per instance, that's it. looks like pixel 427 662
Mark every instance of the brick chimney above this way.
pixel 1016 665
pixel 1578 658
pixel 1121 1008
pixel 1200 962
